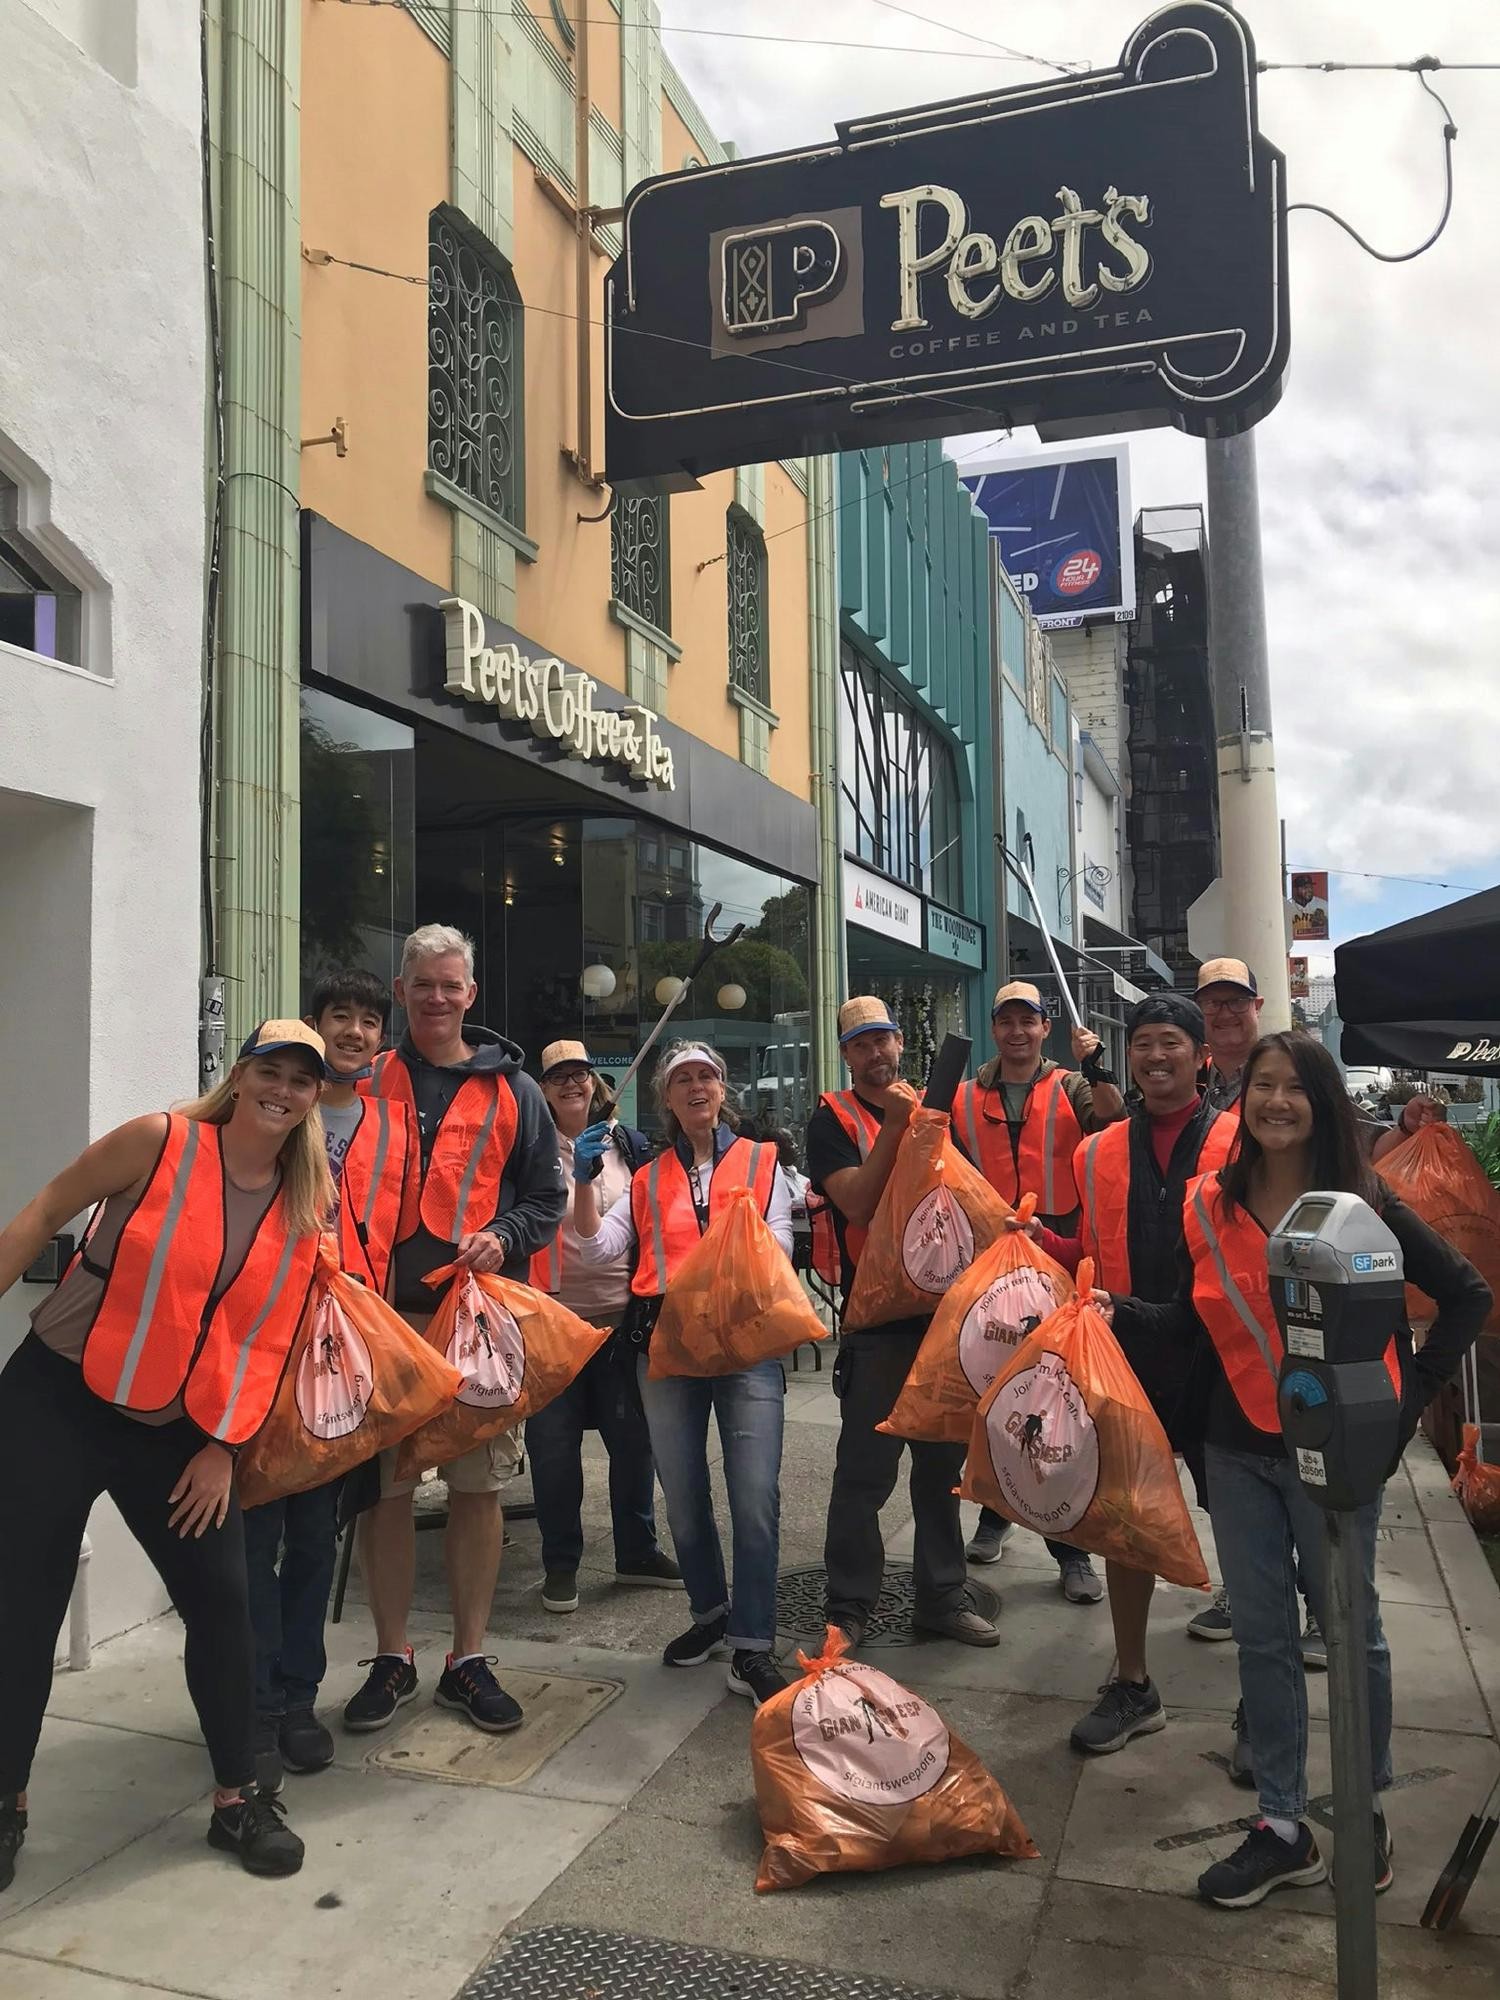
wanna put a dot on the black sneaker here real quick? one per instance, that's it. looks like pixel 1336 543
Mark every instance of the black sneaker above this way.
pixel 1263 1861
pixel 255 1829
pixel 702 1642
pixel 1241 1764
pixel 304 1743
pixel 756 1675
pixel 12 1838
pixel 472 1687
pixel 1385 1848
pixel 390 1684
pixel 1123 1710
pixel 560 1590
pixel 1214 1624
pixel 657 1571
pixel 269 1775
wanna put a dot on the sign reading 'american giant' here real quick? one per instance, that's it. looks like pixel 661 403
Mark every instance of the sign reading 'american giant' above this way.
pixel 1099 251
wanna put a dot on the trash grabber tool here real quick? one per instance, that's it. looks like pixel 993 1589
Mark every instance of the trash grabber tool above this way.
pixel 706 950
pixel 1020 866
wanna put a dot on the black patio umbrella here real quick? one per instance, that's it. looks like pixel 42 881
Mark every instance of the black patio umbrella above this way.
pixel 1425 994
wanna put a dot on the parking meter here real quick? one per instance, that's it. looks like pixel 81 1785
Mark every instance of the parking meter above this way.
pixel 1339 1295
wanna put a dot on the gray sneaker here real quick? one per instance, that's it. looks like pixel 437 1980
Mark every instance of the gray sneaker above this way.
pixel 1079 1583
pixel 987 1544
pixel 1123 1710
pixel 1214 1623
pixel 965 1625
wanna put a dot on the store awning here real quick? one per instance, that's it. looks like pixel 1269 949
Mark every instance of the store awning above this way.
pixel 1144 968
pixel 1425 994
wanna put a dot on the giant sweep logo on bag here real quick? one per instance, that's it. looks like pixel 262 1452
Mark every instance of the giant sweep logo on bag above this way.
pixel 866 1738
pixel 488 1349
pixel 334 1376
pixel 1044 1447
pixel 999 1319
pixel 937 1243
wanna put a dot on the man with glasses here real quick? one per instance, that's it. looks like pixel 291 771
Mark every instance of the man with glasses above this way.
pixel 1231 1006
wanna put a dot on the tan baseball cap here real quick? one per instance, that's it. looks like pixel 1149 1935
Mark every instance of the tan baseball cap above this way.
pixel 557 1053
pixel 1226 972
pixel 864 1015
pixel 1021 993
pixel 273 1035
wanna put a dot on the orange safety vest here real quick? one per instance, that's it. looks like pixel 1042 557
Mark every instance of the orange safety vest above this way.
pixel 864 1129
pixel 1101 1168
pixel 666 1222
pixel 156 1335
pixel 1232 1294
pixel 461 1187
pixel 379 1190
pixel 1050 1135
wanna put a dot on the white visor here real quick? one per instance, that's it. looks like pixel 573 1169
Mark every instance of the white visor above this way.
pixel 695 1054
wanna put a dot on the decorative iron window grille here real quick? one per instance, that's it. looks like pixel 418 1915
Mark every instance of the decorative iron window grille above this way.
pixel 640 557
pixel 899 801
pixel 474 369
pixel 749 651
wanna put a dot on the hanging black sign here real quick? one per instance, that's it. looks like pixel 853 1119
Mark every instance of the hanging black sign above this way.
pixel 1088 253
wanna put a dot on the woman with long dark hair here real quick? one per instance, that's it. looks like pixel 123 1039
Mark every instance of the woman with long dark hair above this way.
pixel 1298 1133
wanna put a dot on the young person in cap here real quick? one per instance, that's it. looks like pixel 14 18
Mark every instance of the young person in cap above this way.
pixel 1020 1120
pixel 1131 1179
pixel 852 1140
pixel 291 1544
pixel 1416 1112
pixel 1298 1132
pixel 1231 1006
pixel 606 1396
pixel 669 1205
pixel 492 1193
pixel 156 1357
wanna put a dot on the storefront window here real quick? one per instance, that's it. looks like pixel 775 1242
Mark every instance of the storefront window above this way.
pixel 899 796
pixel 358 837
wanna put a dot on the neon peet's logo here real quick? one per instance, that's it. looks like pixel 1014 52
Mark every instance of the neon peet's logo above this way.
pixel 772 275
pixel 1078 572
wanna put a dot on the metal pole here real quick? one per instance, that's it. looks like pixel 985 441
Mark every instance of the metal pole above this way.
pixel 1353 1795
pixel 1254 906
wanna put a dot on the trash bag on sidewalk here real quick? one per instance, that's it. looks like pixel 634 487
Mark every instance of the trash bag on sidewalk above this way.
pixel 734 1300
pixel 1065 1442
pixel 356 1381
pixel 1477 1485
pixel 514 1348
pixel 1435 1172
pixel 855 1773
pixel 974 1332
pixel 936 1215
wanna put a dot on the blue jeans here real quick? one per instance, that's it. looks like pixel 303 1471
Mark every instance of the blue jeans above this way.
pixel 287 1607
pixel 1267 1529
pixel 602 1397
pixel 750 1410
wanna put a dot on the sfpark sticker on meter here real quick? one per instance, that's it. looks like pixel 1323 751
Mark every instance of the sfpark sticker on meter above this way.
pixel 1305 1340
pixel 1366 1263
pixel 1310 1467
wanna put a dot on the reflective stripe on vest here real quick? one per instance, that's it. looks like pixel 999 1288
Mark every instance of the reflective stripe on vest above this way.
pixel 376 1189
pixel 1232 1294
pixel 467 1159
pixel 1050 1135
pixel 154 1335
pixel 666 1221
pixel 1101 1167
pixel 864 1130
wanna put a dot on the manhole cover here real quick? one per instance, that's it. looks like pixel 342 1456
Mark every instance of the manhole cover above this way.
pixel 563 1961
pixel 800 1595
pixel 439 1743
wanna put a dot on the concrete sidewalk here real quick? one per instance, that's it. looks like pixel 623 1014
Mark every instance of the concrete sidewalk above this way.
pixel 623 1811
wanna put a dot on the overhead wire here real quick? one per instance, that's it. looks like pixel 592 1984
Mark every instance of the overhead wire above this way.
pixel 1450 133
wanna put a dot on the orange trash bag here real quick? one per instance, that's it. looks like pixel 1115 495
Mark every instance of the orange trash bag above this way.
pixel 356 1381
pixel 936 1214
pixel 853 1772
pixel 1476 1484
pixel 974 1332
pixel 514 1348
pixel 1065 1442
pixel 1435 1173
pixel 734 1300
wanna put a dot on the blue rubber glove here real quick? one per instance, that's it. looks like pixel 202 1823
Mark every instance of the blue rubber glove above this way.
pixel 589 1149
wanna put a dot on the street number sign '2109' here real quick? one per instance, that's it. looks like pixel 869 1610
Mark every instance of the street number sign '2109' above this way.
pixel 1086 253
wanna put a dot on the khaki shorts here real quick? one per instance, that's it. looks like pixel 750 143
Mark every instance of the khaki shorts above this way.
pixel 485 1469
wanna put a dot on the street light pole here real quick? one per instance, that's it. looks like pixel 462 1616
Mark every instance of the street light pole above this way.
pixel 1254 907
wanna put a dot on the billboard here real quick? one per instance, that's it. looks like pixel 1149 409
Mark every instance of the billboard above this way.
pixel 1062 523
pixel 1083 252
pixel 1309 905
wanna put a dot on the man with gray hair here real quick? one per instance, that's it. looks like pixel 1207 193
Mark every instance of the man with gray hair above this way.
pixel 492 1193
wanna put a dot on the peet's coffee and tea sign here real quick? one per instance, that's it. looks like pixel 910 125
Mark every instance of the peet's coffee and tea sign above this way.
pixel 1090 252
pixel 558 702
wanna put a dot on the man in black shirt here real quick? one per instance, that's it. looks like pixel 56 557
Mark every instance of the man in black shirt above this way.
pixel 852 1140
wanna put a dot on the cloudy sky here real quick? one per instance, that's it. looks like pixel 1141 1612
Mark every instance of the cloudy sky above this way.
pixel 1377 471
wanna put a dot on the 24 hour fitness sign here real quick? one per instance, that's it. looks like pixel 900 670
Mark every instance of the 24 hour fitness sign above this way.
pixel 1092 251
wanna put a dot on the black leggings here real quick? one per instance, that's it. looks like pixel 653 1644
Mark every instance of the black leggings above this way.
pixel 60 1448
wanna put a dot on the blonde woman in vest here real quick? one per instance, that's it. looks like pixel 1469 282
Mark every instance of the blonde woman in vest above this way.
pixel 669 1205
pixel 1298 1133
pixel 156 1357
pixel 605 1397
